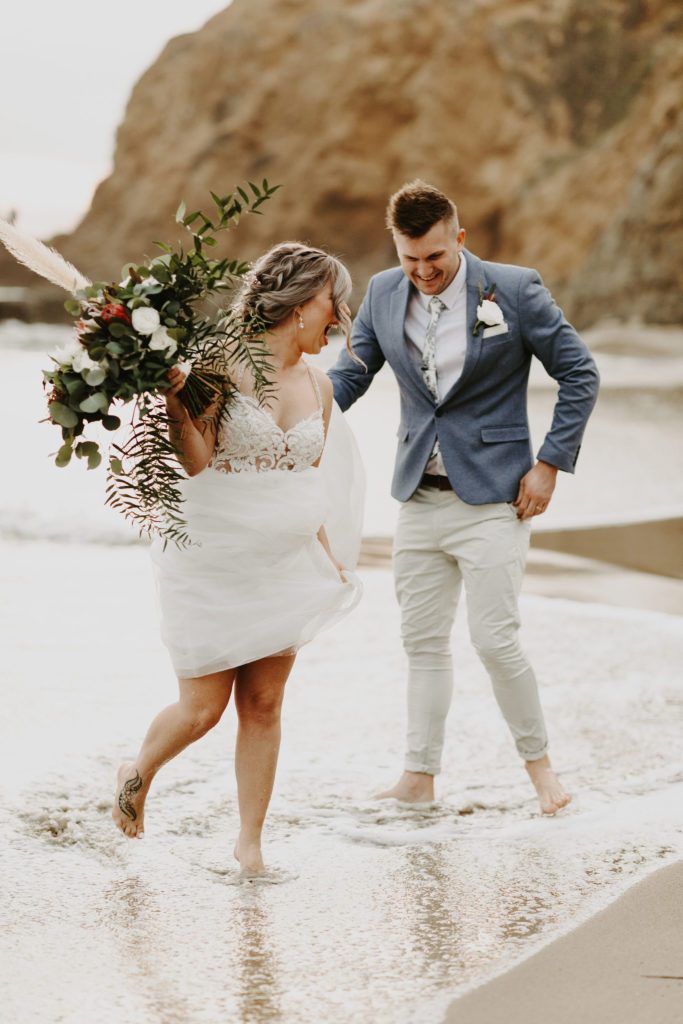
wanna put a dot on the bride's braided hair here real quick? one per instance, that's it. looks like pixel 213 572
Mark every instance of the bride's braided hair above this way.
pixel 287 276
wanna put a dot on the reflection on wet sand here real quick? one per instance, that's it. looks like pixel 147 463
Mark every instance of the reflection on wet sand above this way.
pixel 131 911
pixel 259 993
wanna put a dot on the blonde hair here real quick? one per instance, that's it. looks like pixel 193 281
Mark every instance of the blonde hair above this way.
pixel 289 275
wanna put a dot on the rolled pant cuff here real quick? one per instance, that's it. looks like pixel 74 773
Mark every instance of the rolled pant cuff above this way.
pixel 534 757
pixel 424 769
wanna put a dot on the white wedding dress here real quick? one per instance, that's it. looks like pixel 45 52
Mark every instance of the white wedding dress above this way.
pixel 256 580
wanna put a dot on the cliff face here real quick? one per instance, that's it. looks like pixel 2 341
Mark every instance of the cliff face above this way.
pixel 555 127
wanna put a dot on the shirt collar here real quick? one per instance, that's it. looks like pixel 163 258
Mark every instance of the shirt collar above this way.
pixel 450 295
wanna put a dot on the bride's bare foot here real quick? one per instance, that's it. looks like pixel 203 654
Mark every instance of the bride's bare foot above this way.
pixel 411 788
pixel 551 794
pixel 129 806
pixel 248 856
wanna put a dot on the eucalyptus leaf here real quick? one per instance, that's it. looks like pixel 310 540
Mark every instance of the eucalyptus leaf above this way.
pixel 94 377
pixel 85 448
pixel 63 457
pixel 95 403
pixel 61 414
pixel 160 273
pixel 73 382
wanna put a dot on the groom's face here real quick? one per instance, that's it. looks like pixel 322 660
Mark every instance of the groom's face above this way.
pixel 431 262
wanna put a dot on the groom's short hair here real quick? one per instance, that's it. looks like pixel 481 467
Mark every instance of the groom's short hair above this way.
pixel 417 207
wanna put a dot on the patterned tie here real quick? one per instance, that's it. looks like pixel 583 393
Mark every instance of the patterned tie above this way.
pixel 428 365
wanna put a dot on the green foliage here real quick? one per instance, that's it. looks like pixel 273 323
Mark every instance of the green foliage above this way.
pixel 128 336
pixel 60 413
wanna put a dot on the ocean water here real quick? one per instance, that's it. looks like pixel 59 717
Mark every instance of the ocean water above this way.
pixel 371 910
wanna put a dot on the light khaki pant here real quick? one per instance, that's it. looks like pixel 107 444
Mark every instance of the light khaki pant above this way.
pixel 441 543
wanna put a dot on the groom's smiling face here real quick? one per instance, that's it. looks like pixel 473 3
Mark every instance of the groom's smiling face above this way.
pixel 431 261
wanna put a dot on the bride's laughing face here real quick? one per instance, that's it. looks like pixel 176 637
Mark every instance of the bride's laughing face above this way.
pixel 319 317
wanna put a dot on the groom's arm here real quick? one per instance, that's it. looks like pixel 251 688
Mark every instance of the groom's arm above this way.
pixel 567 359
pixel 351 377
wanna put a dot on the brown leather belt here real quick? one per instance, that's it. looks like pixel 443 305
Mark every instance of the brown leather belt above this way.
pixel 441 483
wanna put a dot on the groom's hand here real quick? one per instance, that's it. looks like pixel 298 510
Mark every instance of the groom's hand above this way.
pixel 535 490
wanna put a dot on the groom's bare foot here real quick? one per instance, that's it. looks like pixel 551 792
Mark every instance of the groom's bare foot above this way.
pixel 551 794
pixel 128 811
pixel 411 788
pixel 248 856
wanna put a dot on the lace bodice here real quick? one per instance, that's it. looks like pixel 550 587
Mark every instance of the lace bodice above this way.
pixel 250 441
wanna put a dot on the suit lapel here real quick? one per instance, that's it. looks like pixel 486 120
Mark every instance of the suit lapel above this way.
pixel 398 309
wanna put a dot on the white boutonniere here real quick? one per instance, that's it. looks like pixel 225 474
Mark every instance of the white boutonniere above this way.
pixel 489 314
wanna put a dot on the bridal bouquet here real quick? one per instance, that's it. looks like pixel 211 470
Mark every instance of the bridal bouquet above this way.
pixel 127 336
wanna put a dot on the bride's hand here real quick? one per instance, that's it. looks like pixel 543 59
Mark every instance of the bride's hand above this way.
pixel 339 567
pixel 176 383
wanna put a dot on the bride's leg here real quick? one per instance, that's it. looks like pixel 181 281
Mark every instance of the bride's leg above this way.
pixel 259 690
pixel 200 704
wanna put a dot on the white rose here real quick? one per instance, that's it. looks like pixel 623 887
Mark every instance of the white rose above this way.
pixel 82 361
pixel 145 320
pixel 161 340
pixel 65 354
pixel 490 313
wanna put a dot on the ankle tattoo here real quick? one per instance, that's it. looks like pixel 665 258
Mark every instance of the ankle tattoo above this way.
pixel 128 790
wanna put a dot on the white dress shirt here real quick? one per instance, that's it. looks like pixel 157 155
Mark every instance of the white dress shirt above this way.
pixel 451 337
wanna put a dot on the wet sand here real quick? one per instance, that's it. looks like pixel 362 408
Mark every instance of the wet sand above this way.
pixel 448 893
pixel 624 966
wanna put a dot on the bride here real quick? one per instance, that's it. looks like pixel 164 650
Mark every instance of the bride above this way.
pixel 263 574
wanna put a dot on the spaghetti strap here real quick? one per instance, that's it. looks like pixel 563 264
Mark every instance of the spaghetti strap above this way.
pixel 316 386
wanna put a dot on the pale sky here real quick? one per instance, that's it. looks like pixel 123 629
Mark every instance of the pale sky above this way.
pixel 66 74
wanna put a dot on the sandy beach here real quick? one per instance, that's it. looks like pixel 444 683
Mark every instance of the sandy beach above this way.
pixel 372 911
pixel 624 966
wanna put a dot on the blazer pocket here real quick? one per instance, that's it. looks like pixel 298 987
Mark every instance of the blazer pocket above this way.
pixel 402 434
pixel 491 332
pixel 491 435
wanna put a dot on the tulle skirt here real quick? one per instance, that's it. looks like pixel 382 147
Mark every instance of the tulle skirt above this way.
pixel 256 581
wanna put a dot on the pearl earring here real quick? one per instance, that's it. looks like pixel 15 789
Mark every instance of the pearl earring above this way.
pixel 301 321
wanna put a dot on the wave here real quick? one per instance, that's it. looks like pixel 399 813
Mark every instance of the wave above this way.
pixel 32 337
pixel 22 524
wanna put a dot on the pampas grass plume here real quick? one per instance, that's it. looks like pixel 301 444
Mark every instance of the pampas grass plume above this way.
pixel 41 259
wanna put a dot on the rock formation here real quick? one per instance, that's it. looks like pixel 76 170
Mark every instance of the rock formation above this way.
pixel 555 126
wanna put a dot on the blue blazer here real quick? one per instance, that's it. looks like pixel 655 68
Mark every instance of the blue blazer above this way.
pixel 482 423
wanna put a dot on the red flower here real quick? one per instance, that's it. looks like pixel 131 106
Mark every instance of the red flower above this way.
pixel 113 311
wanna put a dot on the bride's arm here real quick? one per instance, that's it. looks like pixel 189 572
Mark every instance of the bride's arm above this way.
pixel 194 439
pixel 322 537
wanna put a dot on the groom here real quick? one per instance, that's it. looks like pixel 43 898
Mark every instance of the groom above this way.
pixel 459 334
